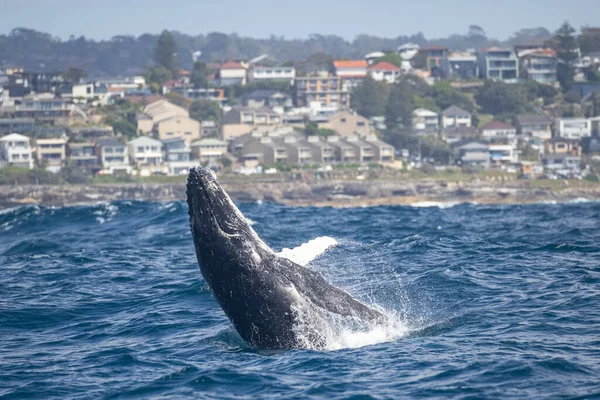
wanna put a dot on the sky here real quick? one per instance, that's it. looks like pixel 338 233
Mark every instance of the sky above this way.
pixel 102 19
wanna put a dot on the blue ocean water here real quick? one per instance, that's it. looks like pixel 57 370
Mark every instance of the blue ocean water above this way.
pixel 107 301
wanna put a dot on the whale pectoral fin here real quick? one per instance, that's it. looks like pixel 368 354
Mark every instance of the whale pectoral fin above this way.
pixel 308 251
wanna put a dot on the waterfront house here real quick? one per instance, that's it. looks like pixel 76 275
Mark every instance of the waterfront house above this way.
pixel 423 119
pixel 472 153
pixel 560 145
pixel 322 151
pixel 209 149
pixel 178 156
pixel 344 151
pixel 573 128
pixel 455 117
pixel 298 149
pixel 562 163
pixel 382 152
pixel 537 126
pixel 384 72
pixel 113 155
pixel 51 153
pixel 83 155
pixel 145 151
pixel 499 64
pixel 15 150
pixel 266 149
pixel 497 130
pixel 502 154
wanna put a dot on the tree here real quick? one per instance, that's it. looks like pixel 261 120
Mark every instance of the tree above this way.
pixel 165 52
pixel 205 110
pixel 445 96
pixel 392 58
pixel 566 48
pixel 368 98
pixel 399 107
pixel 158 75
pixel 501 98
pixel 199 75
pixel 320 61
pixel 74 74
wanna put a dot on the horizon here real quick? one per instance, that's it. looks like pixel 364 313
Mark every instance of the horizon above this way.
pixel 498 22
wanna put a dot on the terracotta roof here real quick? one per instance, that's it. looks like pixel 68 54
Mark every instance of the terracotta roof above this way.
pixel 383 66
pixel 184 72
pixel 170 83
pixel 232 65
pixel 434 47
pixel 497 125
pixel 350 64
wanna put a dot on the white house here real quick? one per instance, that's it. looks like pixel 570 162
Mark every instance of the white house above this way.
pixel 498 130
pixel 423 119
pixel 384 71
pixel 145 151
pixel 261 73
pixel 209 149
pixel 15 150
pixel 503 154
pixel 456 117
pixel 232 73
pixel 573 128
pixel 113 155
pixel 352 72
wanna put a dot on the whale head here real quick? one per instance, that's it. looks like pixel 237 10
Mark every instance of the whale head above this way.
pixel 219 229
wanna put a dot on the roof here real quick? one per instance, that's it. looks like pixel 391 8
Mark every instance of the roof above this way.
pixel 350 64
pixel 232 65
pixel 434 47
pixel 261 94
pixel 109 142
pixel 455 111
pixel 533 119
pixel 145 140
pixel 10 121
pixel 209 142
pixel 14 136
pixel 424 112
pixel 375 54
pixel 384 66
pixel 497 125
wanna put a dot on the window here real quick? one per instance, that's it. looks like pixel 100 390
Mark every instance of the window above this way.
pixel 343 120
pixel 153 148
pixel 169 133
pixel 188 133
pixel 360 123
pixel 140 149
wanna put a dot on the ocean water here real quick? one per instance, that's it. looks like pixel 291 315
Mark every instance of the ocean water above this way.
pixel 107 301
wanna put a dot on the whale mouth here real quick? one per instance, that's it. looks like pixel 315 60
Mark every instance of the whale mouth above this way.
pixel 202 192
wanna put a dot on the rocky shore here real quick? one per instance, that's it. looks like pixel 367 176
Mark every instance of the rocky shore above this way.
pixel 335 193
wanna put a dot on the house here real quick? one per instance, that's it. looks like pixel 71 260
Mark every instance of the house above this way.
pixel 573 128
pixel 322 151
pixel 437 60
pixel 16 125
pixel 499 64
pixel 344 151
pixel 351 71
pixel 232 73
pixel 145 151
pixel 563 163
pixel 459 134
pixel 364 151
pixel 472 153
pixel 113 155
pixel 158 111
pixel 48 109
pixel 539 65
pixel 382 152
pixel 463 65
pixel 262 73
pixel 384 72
pixel 178 156
pixel 91 133
pixel 498 130
pixel 456 117
pixel 209 149
pixel 213 94
pixel 51 153
pixel 298 149
pixel 265 149
pixel 423 119
pixel 347 124
pixel 537 126
pixel 89 91
pixel 251 116
pixel 324 89
pixel 178 126
pixel 503 154
pixel 559 145
pixel 267 98
pixel 83 155
pixel 15 151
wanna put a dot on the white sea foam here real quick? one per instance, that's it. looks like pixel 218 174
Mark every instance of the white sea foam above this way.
pixel 308 251
pixel 439 204
pixel 250 222
pixel 578 201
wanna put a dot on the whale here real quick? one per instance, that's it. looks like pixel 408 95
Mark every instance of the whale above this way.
pixel 272 302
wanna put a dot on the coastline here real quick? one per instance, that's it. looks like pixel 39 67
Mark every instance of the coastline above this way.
pixel 330 193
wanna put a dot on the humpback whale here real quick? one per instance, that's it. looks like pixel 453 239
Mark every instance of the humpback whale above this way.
pixel 267 297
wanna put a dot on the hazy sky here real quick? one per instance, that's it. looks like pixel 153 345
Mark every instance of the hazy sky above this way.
pixel 101 19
